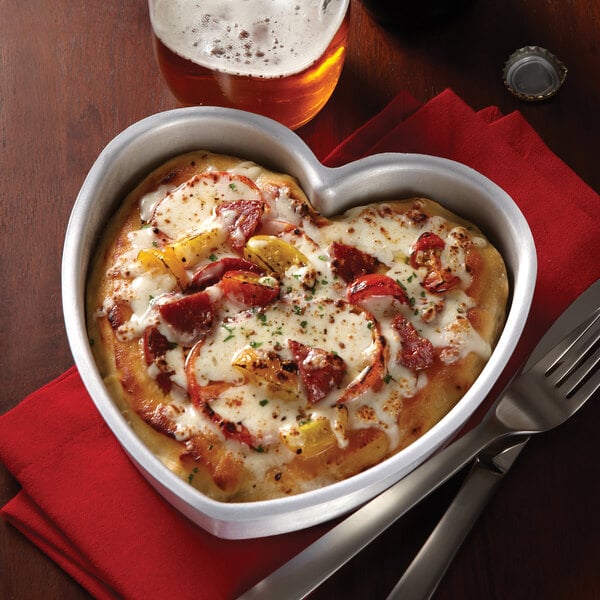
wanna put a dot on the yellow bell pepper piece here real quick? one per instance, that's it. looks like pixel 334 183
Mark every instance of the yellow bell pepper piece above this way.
pixel 314 436
pixel 267 368
pixel 192 249
pixel 273 254
pixel 164 262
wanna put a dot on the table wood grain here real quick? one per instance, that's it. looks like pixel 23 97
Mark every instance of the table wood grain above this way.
pixel 75 73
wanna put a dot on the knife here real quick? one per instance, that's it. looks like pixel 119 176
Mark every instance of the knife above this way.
pixel 423 575
pixel 308 569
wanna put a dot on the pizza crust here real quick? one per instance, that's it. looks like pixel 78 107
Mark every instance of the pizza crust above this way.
pixel 390 406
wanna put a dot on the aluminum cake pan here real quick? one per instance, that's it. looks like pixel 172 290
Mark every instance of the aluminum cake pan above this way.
pixel 147 143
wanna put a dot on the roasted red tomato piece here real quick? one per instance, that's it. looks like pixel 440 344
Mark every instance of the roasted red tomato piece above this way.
pixel 192 314
pixel 426 253
pixel 202 395
pixel 440 281
pixel 375 284
pixel 249 289
pixel 426 250
pixel 349 262
pixel 241 217
pixel 213 272
pixel 319 369
pixel 417 352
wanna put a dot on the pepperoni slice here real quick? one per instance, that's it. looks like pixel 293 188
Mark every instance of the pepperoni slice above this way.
pixel 320 370
pixel 192 315
pixel 241 218
pixel 417 352
pixel 156 344
pixel 349 262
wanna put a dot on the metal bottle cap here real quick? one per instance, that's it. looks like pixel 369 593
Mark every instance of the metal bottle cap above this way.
pixel 533 73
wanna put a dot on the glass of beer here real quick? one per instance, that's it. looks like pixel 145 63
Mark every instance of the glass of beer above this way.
pixel 278 58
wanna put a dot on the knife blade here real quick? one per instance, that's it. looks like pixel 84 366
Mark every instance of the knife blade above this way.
pixel 423 575
pixel 308 569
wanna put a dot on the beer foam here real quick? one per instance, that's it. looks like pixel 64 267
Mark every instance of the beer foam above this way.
pixel 262 38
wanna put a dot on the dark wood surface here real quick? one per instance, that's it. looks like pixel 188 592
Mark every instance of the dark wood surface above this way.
pixel 74 73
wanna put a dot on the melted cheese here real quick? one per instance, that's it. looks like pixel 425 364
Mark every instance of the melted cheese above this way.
pixel 312 309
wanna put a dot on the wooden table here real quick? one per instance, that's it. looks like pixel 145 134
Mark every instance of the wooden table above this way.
pixel 75 73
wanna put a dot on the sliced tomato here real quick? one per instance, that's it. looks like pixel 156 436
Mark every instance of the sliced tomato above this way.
pixel 417 352
pixel 426 253
pixel 192 314
pixel 247 288
pixel 241 218
pixel 349 262
pixel 372 285
pixel 319 369
pixel 202 395
pixel 212 273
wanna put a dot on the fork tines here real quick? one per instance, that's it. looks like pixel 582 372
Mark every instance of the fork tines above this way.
pixel 575 361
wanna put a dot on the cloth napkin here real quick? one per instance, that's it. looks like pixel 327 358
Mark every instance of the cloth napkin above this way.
pixel 85 504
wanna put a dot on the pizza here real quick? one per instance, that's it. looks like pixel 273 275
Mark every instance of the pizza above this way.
pixel 260 349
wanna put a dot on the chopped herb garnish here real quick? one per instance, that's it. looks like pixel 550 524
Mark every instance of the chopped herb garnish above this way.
pixel 255 344
pixel 213 257
pixel 263 402
pixel 230 330
pixel 191 475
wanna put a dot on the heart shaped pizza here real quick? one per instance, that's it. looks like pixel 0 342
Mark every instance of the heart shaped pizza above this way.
pixel 262 350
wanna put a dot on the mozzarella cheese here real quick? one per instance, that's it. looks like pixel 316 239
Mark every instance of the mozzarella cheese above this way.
pixel 242 370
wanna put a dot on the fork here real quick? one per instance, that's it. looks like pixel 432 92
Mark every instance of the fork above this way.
pixel 541 398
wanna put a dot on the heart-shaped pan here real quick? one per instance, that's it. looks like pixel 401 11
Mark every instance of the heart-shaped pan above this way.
pixel 148 143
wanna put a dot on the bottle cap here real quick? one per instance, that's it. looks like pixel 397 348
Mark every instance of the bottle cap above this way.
pixel 533 73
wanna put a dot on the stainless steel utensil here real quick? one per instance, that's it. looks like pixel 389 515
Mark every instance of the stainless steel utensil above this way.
pixel 421 578
pixel 542 398
pixel 423 575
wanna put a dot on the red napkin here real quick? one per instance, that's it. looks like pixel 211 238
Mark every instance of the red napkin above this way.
pixel 85 504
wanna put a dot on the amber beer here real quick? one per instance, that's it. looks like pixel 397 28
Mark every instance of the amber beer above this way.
pixel 279 58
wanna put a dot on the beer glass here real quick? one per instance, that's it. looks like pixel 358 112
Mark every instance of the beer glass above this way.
pixel 279 58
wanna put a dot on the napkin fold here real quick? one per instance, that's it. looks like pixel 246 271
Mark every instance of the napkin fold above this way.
pixel 83 502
